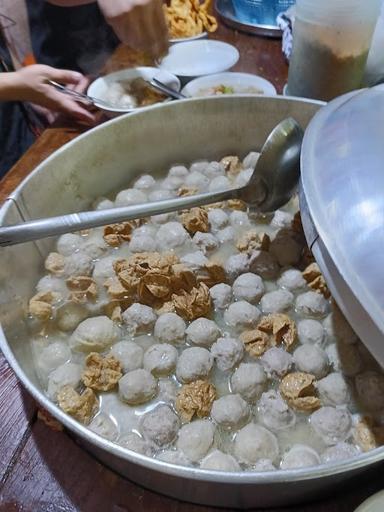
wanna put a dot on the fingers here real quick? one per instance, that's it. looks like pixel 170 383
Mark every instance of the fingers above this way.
pixel 62 103
pixel 65 76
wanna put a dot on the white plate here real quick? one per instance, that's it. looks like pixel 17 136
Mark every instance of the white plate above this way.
pixel 203 35
pixel 198 58
pixel 373 504
pixel 235 80
pixel 99 87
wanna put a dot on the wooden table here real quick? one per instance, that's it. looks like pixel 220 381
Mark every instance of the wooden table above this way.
pixel 45 471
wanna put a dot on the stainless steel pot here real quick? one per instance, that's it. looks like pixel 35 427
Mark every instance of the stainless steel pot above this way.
pixel 103 161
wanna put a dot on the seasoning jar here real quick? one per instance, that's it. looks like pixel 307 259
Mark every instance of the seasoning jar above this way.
pixel 331 40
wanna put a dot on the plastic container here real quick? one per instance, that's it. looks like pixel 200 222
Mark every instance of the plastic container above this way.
pixel 260 12
pixel 331 41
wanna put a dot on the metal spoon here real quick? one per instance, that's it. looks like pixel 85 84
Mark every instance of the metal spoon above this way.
pixel 160 86
pixel 271 185
pixel 80 96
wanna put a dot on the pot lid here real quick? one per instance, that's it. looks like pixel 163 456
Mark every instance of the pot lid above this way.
pixel 342 194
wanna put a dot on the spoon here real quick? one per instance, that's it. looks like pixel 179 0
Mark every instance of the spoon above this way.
pixel 160 86
pixel 80 96
pixel 271 185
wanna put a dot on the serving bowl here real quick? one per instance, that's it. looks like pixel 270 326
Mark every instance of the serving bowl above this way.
pixel 112 155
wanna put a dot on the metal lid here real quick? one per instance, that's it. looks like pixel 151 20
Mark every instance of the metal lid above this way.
pixel 342 193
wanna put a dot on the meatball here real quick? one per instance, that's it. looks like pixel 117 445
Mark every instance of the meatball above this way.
pixel 276 361
pixel 199 166
pixel 137 387
pixel 221 295
pixel 144 182
pixel 251 159
pixel 174 457
pixel 235 265
pixel 242 315
pixel 332 424
pixel 219 461
pixel 218 219
pixel 103 204
pixel 370 390
pixel 130 197
pixel 94 245
pixel 52 356
pixel 172 182
pixel 277 301
pixel 206 242
pixel 282 219
pixel 249 287
pixel 129 354
pixel 194 260
pixel 194 363
pixel 104 426
pixel 311 304
pixel 170 328
pixel 142 243
pixel 179 171
pixel 292 280
pixel 195 439
pixel 333 390
pixel 340 451
pixel 310 331
pixel 225 235
pixel 243 177
pixel 213 170
pixel 197 180
pixel 70 315
pixel 264 264
pixel 230 411
pixel 285 248
pixel 69 243
pixel 78 264
pixel 228 352
pixel 171 235
pixel 52 284
pixel 160 426
pixel 274 412
pixel 239 219
pixel 139 319
pixel 219 183
pixel 254 442
pixel 104 268
pixel 264 465
pixel 202 332
pixel 311 359
pixel 160 359
pixel 167 390
pixel 65 374
pixel 249 381
pixel 300 456
pixel 94 335
pixel 136 443
pixel 160 194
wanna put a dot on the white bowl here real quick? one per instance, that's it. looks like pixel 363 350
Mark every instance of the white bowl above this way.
pixel 198 58
pixel 98 88
pixel 175 40
pixel 238 81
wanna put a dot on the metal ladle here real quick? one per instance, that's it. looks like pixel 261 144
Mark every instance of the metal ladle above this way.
pixel 271 185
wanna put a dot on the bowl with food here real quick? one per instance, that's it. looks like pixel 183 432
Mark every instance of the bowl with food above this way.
pixel 197 353
pixel 189 20
pixel 128 90
pixel 228 83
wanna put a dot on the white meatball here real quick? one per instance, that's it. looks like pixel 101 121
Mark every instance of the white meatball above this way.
pixel 333 390
pixel 103 425
pixel 263 465
pixel 274 412
pixel 254 442
pixel 235 265
pixel 194 260
pixel 160 359
pixel 277 301
pixel 292 280
pixel 311 359
pixel 276 361
pixel 242 315
pixel 337 327
pixel 230 411
pixel 171 235
pixel 213 170
pixel 202 332
pixel 160 426
pixel 129 354
pixel 226 234
pixel 194 363
pixel 104 204
pixel 70 315
pixel 142 243
pixel 137 387
pixel 78 264
pixel 160 195
pixel 243 177
pixel 206 242
pixel 310 331
pixel 251 159
pixel 172 182
pixel 66 374
pixel 197 180
pixel 221 295
pixel 94 245
pixel 174 457
pixel 94 335
pixel 249 381
pixel 145 229
pixel 136 443
pixel 300 456
pixel 370 390
pixel 311 304
pixel 218 219
pixel 167 390
pixel 144 182
pixel 249 287
pixel 332 424
pixel 264 264
pixel 162 218
pixel 282 219
pixel 285 248
pixel 195 439
pixel 179 171
pixel 340 451
pixel 52 356
pixel 219 183
pixel 130 197
pixel 228 352
pixel 199 166
pixel 104 268
pixel 139 318
pixel 52 284
pixel 220 461
pixel 169 328
pixel 239 219
pixel 69 243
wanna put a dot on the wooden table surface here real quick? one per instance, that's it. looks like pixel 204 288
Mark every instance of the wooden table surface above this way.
pixel 42 470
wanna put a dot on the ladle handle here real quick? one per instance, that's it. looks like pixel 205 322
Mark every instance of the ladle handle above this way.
pixel 53 226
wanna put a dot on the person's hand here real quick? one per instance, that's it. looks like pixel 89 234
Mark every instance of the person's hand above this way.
pixel 139 24
pixel 31 84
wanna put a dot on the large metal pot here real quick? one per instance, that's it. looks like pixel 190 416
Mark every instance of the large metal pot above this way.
pixel 105 160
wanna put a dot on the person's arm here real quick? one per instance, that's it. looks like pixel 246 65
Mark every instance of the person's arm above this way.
pixel 31 84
